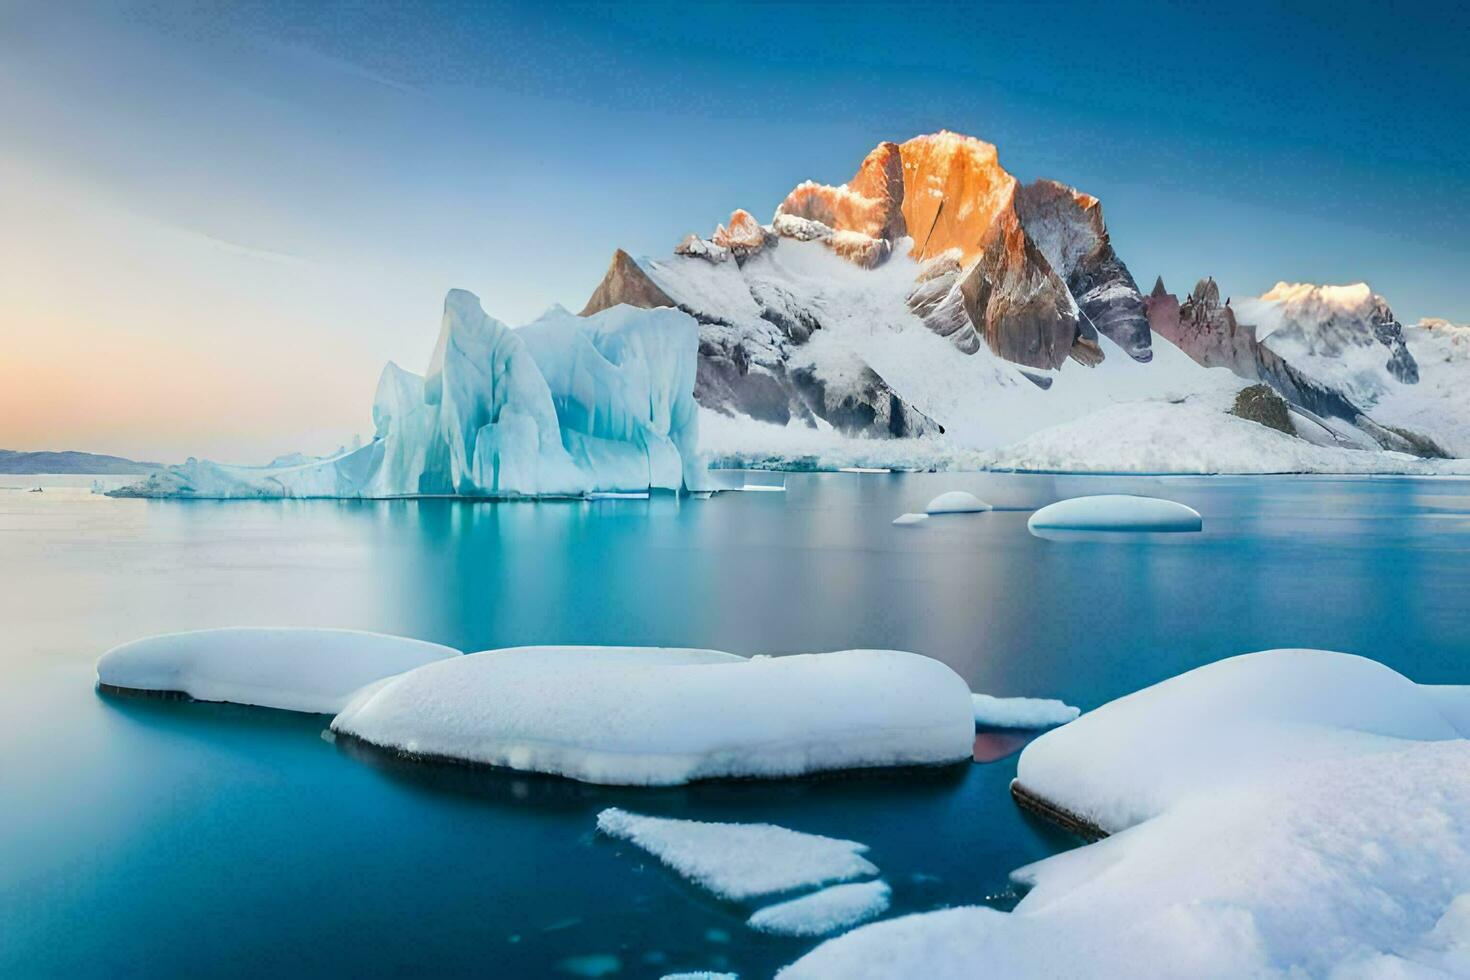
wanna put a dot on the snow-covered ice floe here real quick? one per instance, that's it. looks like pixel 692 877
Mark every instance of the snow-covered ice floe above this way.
pixel 564 406
pixel 993 712
pixel 956 502
pixel 910 519
pixel 311 670
pixel 737 861
pixel 648 716
pixel 1292 813
pixel 825 911
pixel 1115 512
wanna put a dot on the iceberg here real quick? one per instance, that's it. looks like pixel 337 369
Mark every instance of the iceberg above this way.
pixel 956 502
pixel 902 519
pixel 737 861
pixel 649 716
pixel 1115 512
pixel 1281 814
pixel 565 406
pixel 825 911
pixel 993 712
pixel 311 670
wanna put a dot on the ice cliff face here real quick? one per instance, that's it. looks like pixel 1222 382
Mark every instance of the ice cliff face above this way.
pixel 564 406
pixel 933 232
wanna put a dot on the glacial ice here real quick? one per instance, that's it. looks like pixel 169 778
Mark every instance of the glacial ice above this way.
pixel 737 861
pixel 956 502
pixel 565 406
pixel 1282 814
pixel 994 712
pixel 825 911
pixel 647 716
pixel 310 670
pixel 1115 512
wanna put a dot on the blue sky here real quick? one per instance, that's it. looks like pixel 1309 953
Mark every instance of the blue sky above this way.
pixel 222 219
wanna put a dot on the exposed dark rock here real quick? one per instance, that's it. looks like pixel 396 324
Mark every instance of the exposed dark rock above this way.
pixel 625 282
pixel 1260 403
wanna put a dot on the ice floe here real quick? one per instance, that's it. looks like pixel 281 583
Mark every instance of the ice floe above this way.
pixel 956 502
pixel 1282 814
pixel 646 716
pixel 738 861
pixel 825 911
pixel 996 712
pixel 311 670
pixel 1115 512
pixel 910 519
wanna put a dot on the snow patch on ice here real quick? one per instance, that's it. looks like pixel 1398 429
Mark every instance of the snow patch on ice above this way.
pixel 642 716
pixel 996 712
pixel 311 670
pixel 1282 814
pixel 823 912
pixel 737 861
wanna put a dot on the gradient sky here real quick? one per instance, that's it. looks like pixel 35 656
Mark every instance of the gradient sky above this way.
pixel 218 221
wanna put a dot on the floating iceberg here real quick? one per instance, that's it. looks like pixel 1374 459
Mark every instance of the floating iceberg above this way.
pixel 311 670
pixel 1115 512
pixel 910 519
pixel 956 502
pixel 817 914
pixel 995 712
pixel 1282 814
pixel 737 861
pixel 565 406
pixel 646 716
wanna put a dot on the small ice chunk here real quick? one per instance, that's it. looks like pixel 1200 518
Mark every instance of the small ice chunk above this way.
pixel 1115 512
pixel 311 670
pixel 910 518
pixel 828 910
pixel 700 975
pixel 957 502
pixel 740 860
pixel 1021 712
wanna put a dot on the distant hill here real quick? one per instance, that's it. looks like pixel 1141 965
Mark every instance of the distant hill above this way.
pixel 13 461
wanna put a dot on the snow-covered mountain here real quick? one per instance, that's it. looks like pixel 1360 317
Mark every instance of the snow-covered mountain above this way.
pixel 935 300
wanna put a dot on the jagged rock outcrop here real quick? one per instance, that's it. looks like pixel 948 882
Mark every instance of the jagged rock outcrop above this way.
pixel 625 282
pixel 1067 227
pixel 743 236
pixel 1046 242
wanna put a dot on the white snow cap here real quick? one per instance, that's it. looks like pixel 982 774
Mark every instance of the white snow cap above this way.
pixel 1115 512
pixel 311 670
pixel 646 716
pixel 737 861
pixel 956 502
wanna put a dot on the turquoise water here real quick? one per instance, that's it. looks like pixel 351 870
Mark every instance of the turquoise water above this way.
pixel 163 839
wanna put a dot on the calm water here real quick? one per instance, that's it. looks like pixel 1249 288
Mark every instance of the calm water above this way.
pixel 145 839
